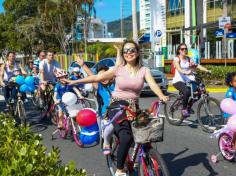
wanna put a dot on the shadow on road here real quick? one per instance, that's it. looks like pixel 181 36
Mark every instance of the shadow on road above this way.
pixel 177 167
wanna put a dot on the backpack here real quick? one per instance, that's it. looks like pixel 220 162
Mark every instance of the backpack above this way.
pixel 172 69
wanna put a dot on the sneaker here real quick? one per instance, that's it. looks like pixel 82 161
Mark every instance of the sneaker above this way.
pixel 120 174
pixel 185 113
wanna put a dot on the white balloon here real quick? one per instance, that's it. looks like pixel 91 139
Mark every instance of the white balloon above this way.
pixel 88 87
pixel 69 98
pixel 73 110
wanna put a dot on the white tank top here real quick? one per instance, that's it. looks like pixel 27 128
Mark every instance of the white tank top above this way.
pixel 9 73
pixel 184 65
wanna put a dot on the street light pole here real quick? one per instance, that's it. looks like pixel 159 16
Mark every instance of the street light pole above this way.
pixel 121 18
pixel 134 21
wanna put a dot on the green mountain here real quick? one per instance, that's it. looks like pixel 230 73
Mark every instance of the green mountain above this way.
pixel 114 26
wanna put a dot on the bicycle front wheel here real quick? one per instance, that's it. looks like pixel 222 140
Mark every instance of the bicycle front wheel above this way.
pixel 172 110
pixel 209 114
pixel 153 164
pixel 21 112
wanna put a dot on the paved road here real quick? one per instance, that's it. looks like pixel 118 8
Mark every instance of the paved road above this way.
pixel 186 149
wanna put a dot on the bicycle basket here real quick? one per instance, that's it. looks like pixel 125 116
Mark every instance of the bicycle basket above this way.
pixel 152 132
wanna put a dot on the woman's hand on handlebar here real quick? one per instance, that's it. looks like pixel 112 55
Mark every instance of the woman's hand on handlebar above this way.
pixel 164 98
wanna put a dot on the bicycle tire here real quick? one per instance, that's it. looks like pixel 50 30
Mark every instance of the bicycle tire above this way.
pixel 21 112
pixel 112 158
pixel 169 114
pixel 209 125
pixel 227 155
pixel 155 162
pixel 76 133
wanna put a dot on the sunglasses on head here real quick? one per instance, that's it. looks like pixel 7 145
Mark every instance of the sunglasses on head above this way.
pixel 129 50
pixel 182 49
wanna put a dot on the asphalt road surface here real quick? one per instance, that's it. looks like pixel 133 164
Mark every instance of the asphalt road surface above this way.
pixel 186 149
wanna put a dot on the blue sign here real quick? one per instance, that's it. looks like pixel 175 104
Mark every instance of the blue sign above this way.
pixel 158 33
pixel 219 33
pixel 231 35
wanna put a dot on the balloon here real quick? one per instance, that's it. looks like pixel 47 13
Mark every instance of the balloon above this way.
pixel 86 117
pixel 69 98
pixel 92 128
pixel 88 87
pixel 228 105
pixel 89 136
pixel 193 53
pixel 24 88
pixel 20 80
pixel 31 88
pixel 29 80
pixel 231 124
pixel 74 109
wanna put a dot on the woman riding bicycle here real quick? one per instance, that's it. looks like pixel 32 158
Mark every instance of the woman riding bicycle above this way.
pixel 183 74
pixel 8 72
pixel 129 77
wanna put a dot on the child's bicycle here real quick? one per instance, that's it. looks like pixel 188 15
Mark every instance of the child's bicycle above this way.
pixel 143 159
pixel 225 144
pixel 69 123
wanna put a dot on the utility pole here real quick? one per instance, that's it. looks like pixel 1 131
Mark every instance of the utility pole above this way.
pixel 134 21
pixel 121 18
pixel 225 14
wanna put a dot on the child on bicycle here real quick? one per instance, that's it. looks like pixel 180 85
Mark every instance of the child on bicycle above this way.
pixel 104 90
pixel 61 88
pixel 230 81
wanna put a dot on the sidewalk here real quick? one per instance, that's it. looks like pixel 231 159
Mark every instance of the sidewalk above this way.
pixel 210 89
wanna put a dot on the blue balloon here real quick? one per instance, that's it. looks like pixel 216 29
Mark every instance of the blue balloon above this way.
pixel 24 88
pixel 88 137
pixel 20 80
pixel 31 88
pixel 29 80
pixel 92 128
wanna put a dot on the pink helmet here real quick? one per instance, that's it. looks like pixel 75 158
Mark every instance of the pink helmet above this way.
pixel 61 73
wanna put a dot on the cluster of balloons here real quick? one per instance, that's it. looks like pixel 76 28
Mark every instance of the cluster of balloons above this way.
pixel 26 84
pixel 228 105
pixel 85 117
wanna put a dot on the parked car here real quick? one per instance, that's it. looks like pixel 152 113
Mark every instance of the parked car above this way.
pixel 158 76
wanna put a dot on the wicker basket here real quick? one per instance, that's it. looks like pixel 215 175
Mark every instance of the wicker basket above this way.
pixel 151 132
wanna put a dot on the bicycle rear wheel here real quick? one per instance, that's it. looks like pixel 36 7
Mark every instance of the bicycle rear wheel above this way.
pixel 153 164
pixel 172 110
pixel 209 114
pixel 21 112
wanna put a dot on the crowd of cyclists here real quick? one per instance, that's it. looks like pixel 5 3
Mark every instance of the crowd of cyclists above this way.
pixel 119 85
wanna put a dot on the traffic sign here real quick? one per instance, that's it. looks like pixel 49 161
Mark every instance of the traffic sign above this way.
pixel 231 35
pixel 158 33
pixel 219 33
pixel 223 21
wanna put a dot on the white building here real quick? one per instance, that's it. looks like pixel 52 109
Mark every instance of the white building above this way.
pixel 145 16
pixel 98 29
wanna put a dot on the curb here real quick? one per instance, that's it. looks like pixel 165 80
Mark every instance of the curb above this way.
pixel 210 89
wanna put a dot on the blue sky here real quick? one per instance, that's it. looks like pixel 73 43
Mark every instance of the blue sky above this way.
pixel 1 8
pixel 109 10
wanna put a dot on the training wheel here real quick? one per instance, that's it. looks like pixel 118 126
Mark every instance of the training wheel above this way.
pixel 214 158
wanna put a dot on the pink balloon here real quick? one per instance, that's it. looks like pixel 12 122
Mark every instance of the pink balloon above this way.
pixel 228 105
pixel 231 124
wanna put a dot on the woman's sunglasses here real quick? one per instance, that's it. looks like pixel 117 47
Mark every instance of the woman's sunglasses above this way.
pixel 129 50
pixel 182 49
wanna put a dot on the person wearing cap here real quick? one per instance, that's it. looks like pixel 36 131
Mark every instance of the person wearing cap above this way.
pixel 61 88
pixel 7 72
